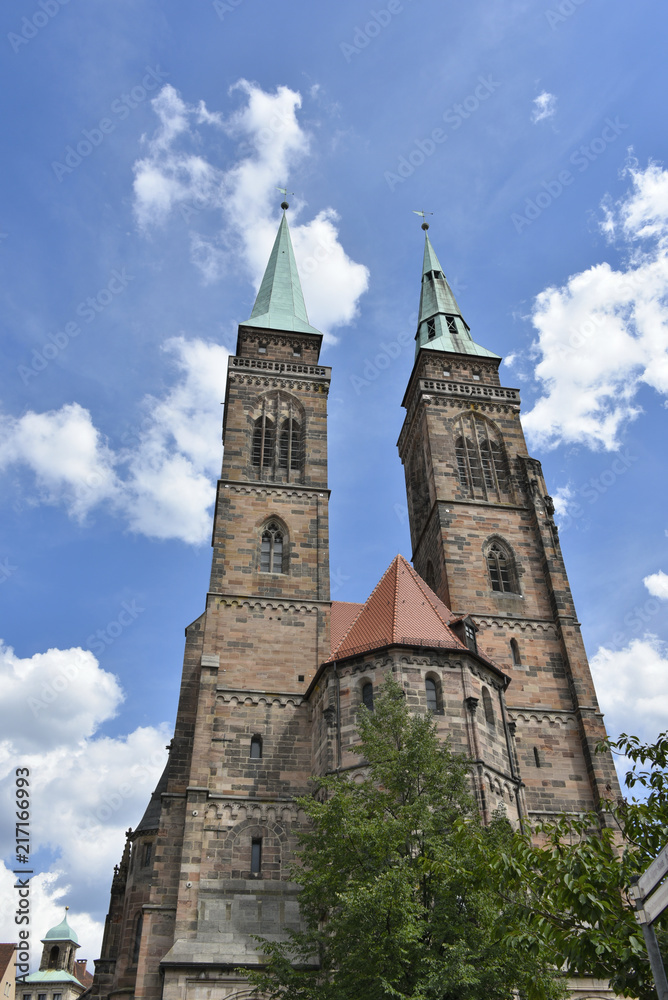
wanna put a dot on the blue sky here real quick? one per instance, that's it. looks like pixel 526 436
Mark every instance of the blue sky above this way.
pixel 143 143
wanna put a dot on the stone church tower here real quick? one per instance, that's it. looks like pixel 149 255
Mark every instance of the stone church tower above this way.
pixel 480 630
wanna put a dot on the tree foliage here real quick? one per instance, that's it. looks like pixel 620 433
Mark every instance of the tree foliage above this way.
pixel 571 893
pixel 396 896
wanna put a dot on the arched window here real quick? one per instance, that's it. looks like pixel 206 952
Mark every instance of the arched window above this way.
pixel 515 650
pixel 367 695
pixel 432 695
pixel 146 858
pixel 482 468
pixel 272 556
pixel 290 446
pixel 53 957
pixel 488 707
pixel 256 748
pixel 262 454
pixel 501 567
pixel 137 939
pixel 256 856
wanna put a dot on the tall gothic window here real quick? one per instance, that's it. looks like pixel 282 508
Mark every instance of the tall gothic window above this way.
pixel 432 695
pixel 272 555
pixel 136 945
pixel 481 460
pixel 501 568
pixel 487 706
pixel 290 445
pixel 367 696
pixel 277 438
pixel 263 443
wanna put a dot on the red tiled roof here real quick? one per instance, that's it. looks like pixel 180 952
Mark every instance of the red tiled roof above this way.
pixel 402 610
pixel 342 616
pixel 6 956
pixel 82 973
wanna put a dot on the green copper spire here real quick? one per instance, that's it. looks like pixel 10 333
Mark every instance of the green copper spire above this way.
pixel 441 326
pixel 280 303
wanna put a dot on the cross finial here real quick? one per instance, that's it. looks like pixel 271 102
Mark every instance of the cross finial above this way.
pixel 285 193
pixel 425 224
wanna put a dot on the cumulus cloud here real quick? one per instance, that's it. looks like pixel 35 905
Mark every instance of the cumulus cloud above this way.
pixel 605 332
pixel 85 789
pixel 544 106
pixel 657 584
pixel 271 143
pixel 161 480
pixel 632 686
pixel 70 461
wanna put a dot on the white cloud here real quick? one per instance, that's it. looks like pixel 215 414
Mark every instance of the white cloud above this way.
pixel 632 686
pixel 544 106
pixel 85 789
pixel 163 483
pixel 605 332
pixel 563 501
pixel 71 463
pixel 272 143
pixel 657 584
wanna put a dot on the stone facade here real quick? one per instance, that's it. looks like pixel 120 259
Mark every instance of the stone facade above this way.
pixel 264 701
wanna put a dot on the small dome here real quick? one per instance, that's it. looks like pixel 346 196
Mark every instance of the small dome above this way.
pixel 61 932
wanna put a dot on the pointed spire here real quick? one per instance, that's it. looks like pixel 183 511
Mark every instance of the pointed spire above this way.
pixel 280 303
pixel 441 326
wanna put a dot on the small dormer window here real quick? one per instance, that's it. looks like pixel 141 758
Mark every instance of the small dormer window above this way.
pixel 469 632
pixel 431 328
pixel 452 326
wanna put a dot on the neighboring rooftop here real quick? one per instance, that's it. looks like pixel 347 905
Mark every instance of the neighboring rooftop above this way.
pixel 6 956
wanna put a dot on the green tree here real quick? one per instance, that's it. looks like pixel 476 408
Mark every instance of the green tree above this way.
pixel 395 889
pixel 570 892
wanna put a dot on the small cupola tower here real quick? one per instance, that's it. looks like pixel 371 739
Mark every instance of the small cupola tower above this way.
pixel 60 945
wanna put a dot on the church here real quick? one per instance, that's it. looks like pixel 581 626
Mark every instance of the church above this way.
pixel 479 629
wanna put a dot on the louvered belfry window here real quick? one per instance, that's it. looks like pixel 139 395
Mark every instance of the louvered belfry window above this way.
pixel 271 549
pixel 289 455
pixel 277 442
pixel 263 443
pixel 482 468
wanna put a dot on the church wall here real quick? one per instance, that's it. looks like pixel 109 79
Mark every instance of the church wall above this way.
pixel 242 511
